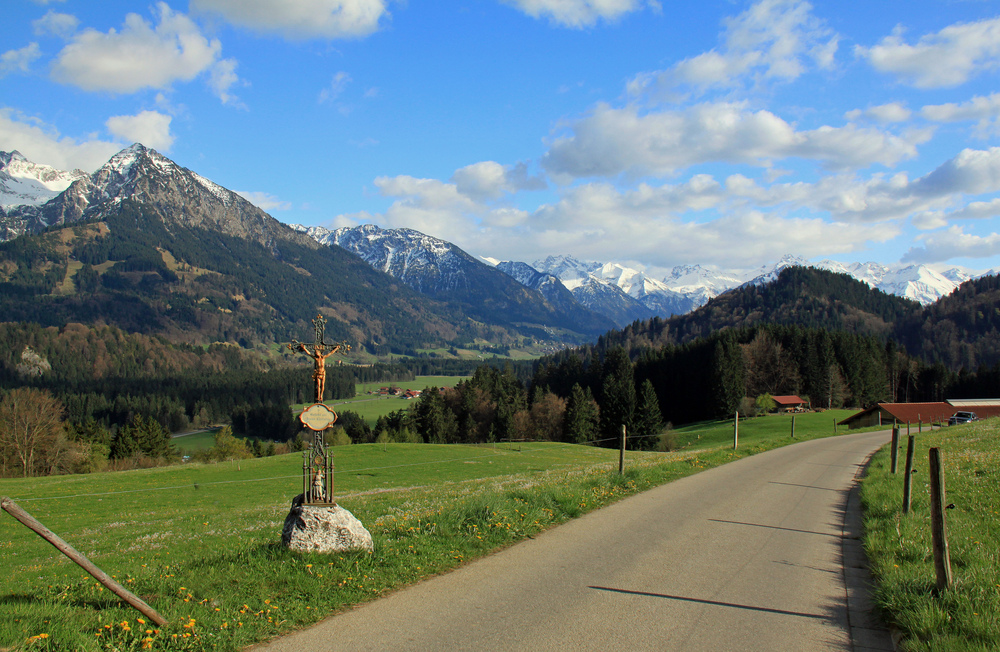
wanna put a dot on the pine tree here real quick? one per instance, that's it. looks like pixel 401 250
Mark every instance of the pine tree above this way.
pixel 618 399
pixel 582 421
pixel 648 419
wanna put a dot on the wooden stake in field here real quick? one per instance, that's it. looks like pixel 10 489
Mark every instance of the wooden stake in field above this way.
pixel 28 520
pixel 908 480
pixel 939 533
pixel 894 451
pixel 736 431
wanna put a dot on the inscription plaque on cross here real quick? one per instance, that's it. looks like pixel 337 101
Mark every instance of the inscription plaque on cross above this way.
pixel 317 461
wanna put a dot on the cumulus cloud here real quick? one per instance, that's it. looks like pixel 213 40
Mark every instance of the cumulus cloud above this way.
pixel 42 143
pixel 580 13
pixel 143 56
pixel 953 243
pixel 984 110
pixel 56 24
pixel 612 141
pixel 772 40
pixel 151 128
pixel 884 113
pixel 301 19
pixel 19 60
pixel 264 201
pixel 699 220
pixel 948 58
pixel 490 180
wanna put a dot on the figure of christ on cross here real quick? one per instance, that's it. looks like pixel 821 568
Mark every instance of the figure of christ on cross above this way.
pixel 319 355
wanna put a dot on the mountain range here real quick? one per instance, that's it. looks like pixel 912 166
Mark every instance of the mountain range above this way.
pixel 152 247
pixel 146 216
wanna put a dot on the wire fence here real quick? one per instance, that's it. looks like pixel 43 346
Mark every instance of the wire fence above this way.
pixel 197 485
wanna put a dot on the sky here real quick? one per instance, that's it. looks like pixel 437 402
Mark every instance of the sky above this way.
pixel 652 133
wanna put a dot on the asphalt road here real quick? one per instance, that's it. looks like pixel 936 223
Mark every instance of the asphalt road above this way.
pixel 747 556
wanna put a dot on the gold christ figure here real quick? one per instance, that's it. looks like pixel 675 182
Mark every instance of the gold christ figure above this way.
pixel 319 354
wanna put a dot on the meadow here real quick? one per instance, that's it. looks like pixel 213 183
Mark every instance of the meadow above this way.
pixel 201 542
pixel 966 616
pixel 370 406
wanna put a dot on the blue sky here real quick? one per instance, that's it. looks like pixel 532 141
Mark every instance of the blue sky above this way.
pixel 654 133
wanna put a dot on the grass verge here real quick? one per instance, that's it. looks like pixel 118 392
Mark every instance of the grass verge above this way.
pixel 966 616
pixel 200 542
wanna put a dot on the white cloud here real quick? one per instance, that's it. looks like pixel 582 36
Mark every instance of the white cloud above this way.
pixel 612 141
pixel 42 143
pixel 141 56
pixel 580 13
pixel 150 128
pixel 945 59
pixel 55 23
pixel 19 60
pixel 490 180
pixel 884 113
pixel 301 19
pixel 221 78
pixel 336 87
pixel 679 223
pixel 772 40
pixel 264 201
pixel 953 243
pixel 984 110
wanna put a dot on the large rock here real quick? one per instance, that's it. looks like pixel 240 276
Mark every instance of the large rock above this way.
pixel 312 528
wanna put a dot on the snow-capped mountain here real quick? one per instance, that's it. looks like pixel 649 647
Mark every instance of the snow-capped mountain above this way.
pixel 139 174
pixel 427 264
pixel 440 269
pixel 917 282
pixel 602 296
pixel 23 183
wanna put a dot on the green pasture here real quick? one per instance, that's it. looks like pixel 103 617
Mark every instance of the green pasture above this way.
pixel 370 406
pixel 201 542
pixel 966 616
pixel 769 427
pixel 194 442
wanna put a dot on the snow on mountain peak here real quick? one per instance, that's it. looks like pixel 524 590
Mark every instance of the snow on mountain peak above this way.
pixel 25 183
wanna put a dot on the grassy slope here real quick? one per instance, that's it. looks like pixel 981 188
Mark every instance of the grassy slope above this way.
pixel 966 617
pixel 201 542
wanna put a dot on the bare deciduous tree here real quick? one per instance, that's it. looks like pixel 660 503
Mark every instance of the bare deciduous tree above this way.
pixel 31 430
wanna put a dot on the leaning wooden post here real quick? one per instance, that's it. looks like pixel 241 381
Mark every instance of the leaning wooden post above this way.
pixel 28 520
pixel 621 453
pixel 939 533
pixel 908 480
pixel 894 452
pixel 736 431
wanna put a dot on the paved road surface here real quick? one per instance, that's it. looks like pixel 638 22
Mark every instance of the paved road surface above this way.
pixel 748 556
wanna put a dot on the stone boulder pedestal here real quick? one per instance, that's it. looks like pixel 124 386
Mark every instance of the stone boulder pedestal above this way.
pixel 324 528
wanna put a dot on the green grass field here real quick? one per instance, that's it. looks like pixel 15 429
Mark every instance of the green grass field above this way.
pixel 201 543
pixel 967 616
pixel 370 406
pixel 198 441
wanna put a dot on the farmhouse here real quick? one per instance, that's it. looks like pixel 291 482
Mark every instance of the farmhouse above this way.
pixel 886 414
pixel 790 403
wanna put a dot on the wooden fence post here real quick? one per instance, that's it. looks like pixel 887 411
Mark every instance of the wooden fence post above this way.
pixel 736 431
pixel 939 533
pixel 621 453
pixel 28 520
pixel 894 451
pixel 793 426
pixel 908 480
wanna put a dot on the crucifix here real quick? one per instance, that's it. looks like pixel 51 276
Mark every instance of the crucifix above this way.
pixel 317 462
pixel 319 354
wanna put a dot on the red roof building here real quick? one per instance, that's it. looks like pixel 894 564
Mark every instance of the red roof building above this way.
pixel 887 414
pixel 790 402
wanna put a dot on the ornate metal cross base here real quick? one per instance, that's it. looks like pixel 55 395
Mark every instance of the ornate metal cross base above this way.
pixel 317 473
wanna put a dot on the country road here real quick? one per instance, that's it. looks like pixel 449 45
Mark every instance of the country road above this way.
pixel 759 554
